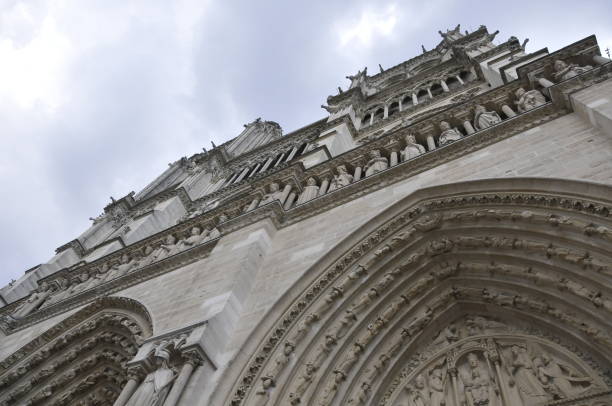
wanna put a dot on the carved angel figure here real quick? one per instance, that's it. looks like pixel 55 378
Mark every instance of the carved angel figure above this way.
pixel 528 100
pixel 564 71
pixel 448 134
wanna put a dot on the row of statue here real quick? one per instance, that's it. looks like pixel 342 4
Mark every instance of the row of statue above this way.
pixel 47 295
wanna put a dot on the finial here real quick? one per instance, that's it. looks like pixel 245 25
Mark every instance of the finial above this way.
pixel 608 52
pixel 213 144
pixel 423 48
pixel 113 200
pixel 381 68
pixel 339 90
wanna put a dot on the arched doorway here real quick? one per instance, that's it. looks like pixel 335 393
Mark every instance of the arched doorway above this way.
pixel 80 361
pixel 501 278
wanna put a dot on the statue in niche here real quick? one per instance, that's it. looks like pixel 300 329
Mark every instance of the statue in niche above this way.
pixel 311 190
pixel 561 377
pixel 196 237
pixel 528 100
pixel 436 388
pixel 156 385
pixel 167 248
pixel 448 134
pixel 125 265
pixel 485 119
pixel 377 163
pixel 418 392
pixel 275 194
pixel 343 178
pixel 413 148
pixel 564 71
pixel 33 302
pixel 525 377
pixel 480 389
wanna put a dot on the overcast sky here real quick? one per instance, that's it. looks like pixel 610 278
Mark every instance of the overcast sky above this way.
pixel 97 97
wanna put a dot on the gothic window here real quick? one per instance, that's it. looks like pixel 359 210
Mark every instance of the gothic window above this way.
pixel 452 83
pixel 422 95
pixel 393 108
pixel 379 114
pixel 436 90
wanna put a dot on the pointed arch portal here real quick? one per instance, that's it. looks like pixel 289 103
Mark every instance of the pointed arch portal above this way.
pixel 81 360
pixel 493 292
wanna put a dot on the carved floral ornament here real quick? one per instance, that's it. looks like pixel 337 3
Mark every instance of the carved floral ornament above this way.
pixel 433 273
pixel 79 361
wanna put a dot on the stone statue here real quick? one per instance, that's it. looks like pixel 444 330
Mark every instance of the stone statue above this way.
pixel 263 395
pixel 167 248
pixel 564 71
pixel 528 100
pixel 358 79
pixel 275 194
pixel 343 178
pixel 436 388
pixel 196 237
pixel 33 302
pixel 156 385
pixel 448 134
pixel 377 163
pixel 413 149
pixel 311 190
pixel 485 119
pixel 525 377
pixel 480 390
pixel 563 377
pixel 125 265
pixel 419 395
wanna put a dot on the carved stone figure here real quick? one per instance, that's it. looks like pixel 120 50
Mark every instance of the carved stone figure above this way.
pixel 528 100
pixel 302 383
pixel 485 119
pixel 33 302
pixel 275 194
pixel 412 149
pixel 563 377
pixel 448 134
pixel 419 395
pixel 564 71
pixel 525 377
pixel 197 236
pixel 166 249
pixel 343 178
pixel 480 389
pixel 125 265
pixel 156 385
pixel 436 388
pixel 263 395
pixel 377 163
pixel 358 79
pixel 311 190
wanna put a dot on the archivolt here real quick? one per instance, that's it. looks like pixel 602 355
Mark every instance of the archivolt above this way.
pixel 508 247
pixel 80 360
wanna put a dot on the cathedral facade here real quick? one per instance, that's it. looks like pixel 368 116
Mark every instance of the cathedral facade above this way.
pixel 443 237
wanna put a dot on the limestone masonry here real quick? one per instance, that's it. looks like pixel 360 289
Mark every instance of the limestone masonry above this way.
pixel 443 237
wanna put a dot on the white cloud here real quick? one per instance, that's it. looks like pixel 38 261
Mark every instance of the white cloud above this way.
pixel 371 25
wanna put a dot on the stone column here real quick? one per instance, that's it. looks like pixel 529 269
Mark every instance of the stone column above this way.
pixel 324 186
pixel 429 93
pixel 401 108
pixel 393 157
pixel 386 113
pixel 290 201
pixel 444 85
pixel 600 60
pixel 285 194
pixel 242 175
pixel 415 99
pixel 431 143
pixel 508 111
pixel 291 154
pixel 255 170
pixel 280 159
pixel 460 80
pixel 181 381
pixel 357 174
pixel 453 374
pixel 545 82
pixel 468 127
pixel 253 204
pixel 231 179
pixel 129 388
pixel 371 118
pixel 266 165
